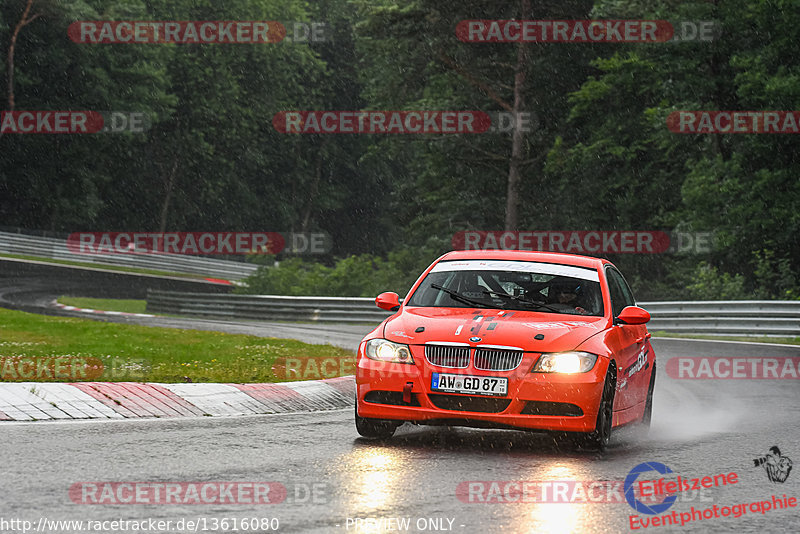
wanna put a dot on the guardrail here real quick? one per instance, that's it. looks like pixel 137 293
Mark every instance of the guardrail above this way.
pixel 267 307
pixel 47 247
pixel 732 317
pixel 749 317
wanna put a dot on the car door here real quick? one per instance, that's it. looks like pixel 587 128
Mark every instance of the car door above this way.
pixel 628 343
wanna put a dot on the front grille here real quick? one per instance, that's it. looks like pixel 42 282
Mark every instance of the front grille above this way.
pixel 447 356
pixel 563 409
pixel 465 403
pixel 394 398
pixel 497 360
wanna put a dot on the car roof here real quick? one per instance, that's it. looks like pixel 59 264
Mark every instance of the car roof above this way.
pixel 524 255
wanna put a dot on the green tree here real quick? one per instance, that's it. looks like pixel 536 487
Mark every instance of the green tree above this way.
pixel 625 169
pixel 59 181
pixel 413 60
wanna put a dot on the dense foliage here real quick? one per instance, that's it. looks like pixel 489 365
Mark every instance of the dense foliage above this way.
pixel 600 157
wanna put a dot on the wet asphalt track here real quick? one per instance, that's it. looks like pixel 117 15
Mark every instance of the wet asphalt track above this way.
pixel 700 427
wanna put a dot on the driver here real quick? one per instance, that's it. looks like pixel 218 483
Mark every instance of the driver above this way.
pixel 565 294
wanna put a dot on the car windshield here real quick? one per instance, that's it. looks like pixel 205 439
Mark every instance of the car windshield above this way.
pixel 511 285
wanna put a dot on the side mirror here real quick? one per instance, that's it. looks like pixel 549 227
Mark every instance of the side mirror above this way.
pixel 391 301
pixel 633 315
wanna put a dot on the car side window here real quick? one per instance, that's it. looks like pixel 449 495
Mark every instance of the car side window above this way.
pixel 621 295
pixel 626 290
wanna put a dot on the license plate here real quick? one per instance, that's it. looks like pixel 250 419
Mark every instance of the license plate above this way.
pixel 474 385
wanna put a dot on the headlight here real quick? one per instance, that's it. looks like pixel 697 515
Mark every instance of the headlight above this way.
pixel 565 362
pixel 384 350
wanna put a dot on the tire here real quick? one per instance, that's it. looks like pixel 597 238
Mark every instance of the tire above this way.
pixel 648 405
pixel 375 428
pixel 600 437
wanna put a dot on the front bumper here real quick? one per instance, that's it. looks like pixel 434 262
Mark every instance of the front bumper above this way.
pixel 540 401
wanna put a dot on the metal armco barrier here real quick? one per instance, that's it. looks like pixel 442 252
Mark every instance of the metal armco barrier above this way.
pixel 47 247
pixel 732 317
pixel 267 307
pixel 746 317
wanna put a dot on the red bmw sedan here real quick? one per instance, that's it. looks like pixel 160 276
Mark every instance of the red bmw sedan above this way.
pixel 509 339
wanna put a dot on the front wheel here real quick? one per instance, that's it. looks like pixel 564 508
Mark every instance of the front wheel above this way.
pixel 601 435
pixel 375 428
pixel 648 405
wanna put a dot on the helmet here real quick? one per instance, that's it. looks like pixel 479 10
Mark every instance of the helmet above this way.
pixel 565 285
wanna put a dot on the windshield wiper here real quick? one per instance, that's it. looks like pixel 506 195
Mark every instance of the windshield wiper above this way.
pixel 520 299
pixel 460 298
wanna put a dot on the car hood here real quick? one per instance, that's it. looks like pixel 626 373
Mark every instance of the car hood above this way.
pixel 494 327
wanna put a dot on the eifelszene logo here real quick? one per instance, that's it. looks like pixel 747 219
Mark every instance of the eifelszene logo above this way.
pixel 667 488
pixel 777 467
pixel 630 481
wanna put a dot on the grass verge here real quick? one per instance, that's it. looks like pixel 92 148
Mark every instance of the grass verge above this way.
pixel 120 305
pixel 35 348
